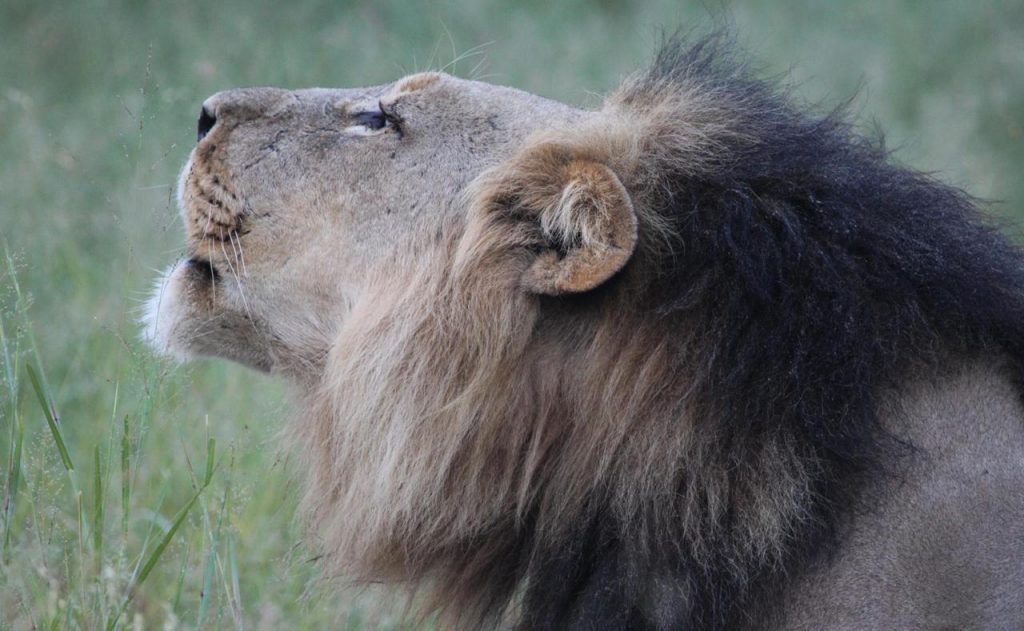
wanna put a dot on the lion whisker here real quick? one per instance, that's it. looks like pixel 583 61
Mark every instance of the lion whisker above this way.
pixel 238 283
pixel 241 253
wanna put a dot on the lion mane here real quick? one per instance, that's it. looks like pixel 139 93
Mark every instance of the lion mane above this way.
pixel 670 449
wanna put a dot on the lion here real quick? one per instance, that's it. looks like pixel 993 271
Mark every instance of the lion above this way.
pixel 698 358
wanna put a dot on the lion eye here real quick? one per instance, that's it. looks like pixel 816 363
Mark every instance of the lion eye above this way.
pixel 378 120
pixel 372 120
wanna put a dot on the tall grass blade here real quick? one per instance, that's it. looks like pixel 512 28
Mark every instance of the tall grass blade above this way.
pixel 81 537
pixel 16 437
pixel 179 588
pixel 235 586
pixel 97 513
pixel 154 556
pixel 214 539
pixel 157 552
pixel 13 480
pixel 9 370
pixel 126 481
pixel 51 419
pixel 211 446
pixel 207 592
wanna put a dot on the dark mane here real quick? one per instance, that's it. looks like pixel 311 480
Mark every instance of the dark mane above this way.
pixel 823 272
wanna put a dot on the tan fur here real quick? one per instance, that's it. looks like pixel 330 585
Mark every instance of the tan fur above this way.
pixel 944 550
pixel 417 82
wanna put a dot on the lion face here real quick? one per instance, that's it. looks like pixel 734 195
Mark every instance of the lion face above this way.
pixel 291 199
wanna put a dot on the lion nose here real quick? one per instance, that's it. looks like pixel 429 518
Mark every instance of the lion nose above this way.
pixel 236 106
pixel 206 122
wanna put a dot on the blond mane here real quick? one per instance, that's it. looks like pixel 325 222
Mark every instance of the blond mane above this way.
pixel 458 427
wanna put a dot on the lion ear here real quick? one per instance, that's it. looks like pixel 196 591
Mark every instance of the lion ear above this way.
pixel 587 225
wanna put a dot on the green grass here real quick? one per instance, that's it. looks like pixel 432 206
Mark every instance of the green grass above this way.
pixel 139 494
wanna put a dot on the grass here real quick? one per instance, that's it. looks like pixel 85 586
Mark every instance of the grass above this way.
pixel 139 494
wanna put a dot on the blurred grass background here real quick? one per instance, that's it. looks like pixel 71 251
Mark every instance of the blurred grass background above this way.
pixel 98 101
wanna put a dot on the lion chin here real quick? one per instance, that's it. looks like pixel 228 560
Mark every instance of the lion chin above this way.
pixel 696 359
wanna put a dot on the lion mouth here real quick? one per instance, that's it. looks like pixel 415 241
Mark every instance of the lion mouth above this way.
pixel 203 267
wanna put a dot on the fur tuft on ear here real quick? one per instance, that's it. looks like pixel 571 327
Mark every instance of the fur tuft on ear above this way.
pixel 591 228
pixel 573 215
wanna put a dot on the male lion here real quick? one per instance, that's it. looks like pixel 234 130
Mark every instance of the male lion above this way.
pixel 696 359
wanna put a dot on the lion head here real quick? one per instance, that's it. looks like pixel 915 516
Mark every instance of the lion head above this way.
pixel 557 365
pixel 295 197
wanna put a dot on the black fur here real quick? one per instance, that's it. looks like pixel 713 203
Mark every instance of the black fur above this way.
pixel 824 270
